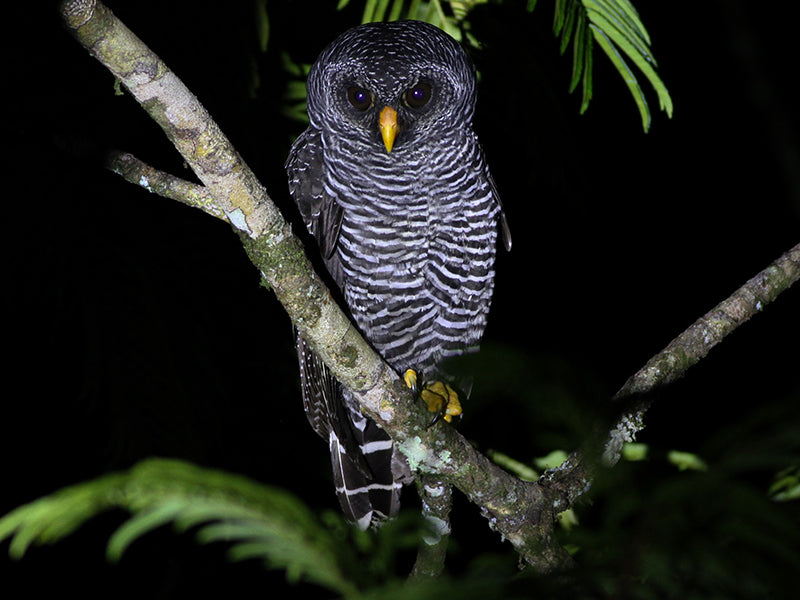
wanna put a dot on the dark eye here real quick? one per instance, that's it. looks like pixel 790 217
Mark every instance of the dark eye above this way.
pixel 360 98
pixel 418 96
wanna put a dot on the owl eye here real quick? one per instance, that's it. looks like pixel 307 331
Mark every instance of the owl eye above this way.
pixel 418 96
pixel 360 98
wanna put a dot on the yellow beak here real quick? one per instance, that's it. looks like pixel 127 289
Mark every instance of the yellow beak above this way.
pixel 388 126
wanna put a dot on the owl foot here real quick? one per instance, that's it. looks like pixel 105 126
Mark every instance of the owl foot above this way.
pixel 439 397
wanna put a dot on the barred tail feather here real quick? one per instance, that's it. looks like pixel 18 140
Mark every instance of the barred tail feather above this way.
pixel 366 474
pixel 350 485
pixel 365 500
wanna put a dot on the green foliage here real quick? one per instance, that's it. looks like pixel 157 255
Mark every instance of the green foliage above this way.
pixel 686 461
pixel 613 24
pixel 294 97
pixel 692 534
pixel 786 485
pixel 257 521
pixel 432 12
pixel 616 27
pixel 518 468
pixel 553 460
pixel 634 451
pixel 261 18
pixel 689 534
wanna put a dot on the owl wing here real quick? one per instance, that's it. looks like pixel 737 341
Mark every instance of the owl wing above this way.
pixel 361 453
pixel 321 213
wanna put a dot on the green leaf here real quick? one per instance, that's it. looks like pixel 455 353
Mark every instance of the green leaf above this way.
pixel 686 461
pixel 555 459
pixel 262 24
pixel 141 523
pixel 627 75
pixel 616 26
pixel 587 72
pixel 568 27
pixel 380 10
pixel 397 10
pixel 786 486
pixel 514 466
pixel 580 45
pixel 620 20
pixel 369 10
pixel 568 519
pixel 634 452
pixel 631 16
pixel 560 14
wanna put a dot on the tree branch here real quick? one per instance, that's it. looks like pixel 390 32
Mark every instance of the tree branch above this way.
pixel 437 500
pixel 670 364
pixel 133 170
pixel 523 512
pixel 696 342
pixel 514 508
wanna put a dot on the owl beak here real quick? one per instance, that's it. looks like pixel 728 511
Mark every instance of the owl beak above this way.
pixel 388 126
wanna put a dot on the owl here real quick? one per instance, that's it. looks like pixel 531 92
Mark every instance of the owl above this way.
pixel 392 183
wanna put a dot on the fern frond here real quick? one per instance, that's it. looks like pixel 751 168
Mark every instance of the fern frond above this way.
pixel 51 518
pixel 256 520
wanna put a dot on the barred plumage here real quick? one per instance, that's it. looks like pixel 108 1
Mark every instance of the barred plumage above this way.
pixel 407 229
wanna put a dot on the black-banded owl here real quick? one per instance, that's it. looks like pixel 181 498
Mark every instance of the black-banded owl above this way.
pixel 391 181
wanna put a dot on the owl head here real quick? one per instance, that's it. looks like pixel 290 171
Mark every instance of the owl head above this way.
pixel 392 86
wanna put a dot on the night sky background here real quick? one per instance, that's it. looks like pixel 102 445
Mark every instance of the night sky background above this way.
pixel 136 327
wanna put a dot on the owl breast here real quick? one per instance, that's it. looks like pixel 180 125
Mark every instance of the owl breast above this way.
pixel 417 248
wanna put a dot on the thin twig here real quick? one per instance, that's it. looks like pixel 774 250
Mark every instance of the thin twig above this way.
pixel 572 478
pixel 163 184
pixel 695 343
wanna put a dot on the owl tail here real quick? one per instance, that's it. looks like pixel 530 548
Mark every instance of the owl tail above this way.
pixel 368 472
pixel 367 485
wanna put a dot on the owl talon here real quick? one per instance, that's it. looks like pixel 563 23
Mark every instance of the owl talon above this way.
pixel 410 377
pixel 437 395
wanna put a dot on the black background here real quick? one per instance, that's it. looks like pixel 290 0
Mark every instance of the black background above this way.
pixel 136 327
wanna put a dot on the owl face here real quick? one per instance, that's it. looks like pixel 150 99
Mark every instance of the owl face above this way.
pixel 392 86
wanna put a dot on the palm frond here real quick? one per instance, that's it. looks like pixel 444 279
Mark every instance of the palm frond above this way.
pixel 616 27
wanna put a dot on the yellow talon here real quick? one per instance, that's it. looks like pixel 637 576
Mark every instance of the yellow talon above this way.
pixel 439 397
pixel 410 377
